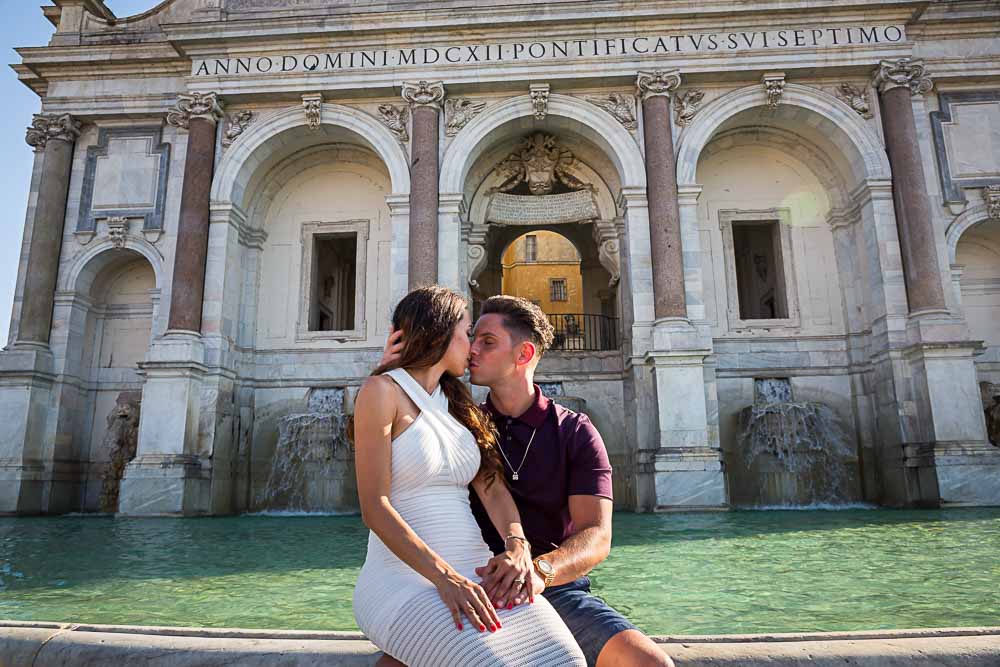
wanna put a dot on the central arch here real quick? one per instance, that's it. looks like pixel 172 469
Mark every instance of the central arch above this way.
pixel 591 121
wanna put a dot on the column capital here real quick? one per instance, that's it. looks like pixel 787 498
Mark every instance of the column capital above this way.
pixel 902 72
pixel 424 93
pixel 62 127
pixel 658 82
pixel 195 105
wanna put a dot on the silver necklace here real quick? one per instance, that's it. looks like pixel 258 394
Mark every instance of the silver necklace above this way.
pixel 514 476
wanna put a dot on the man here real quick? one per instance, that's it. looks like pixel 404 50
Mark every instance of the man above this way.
pixel 558 472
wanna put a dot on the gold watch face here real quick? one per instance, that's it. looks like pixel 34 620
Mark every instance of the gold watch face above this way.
pixel 545 567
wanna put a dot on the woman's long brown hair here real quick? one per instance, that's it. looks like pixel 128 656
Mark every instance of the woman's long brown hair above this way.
pixel 427 316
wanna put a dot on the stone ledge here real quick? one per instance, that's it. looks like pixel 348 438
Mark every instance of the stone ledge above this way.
pixel 25 644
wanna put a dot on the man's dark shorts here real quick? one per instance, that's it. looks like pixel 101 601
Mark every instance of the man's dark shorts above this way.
pixel 591 620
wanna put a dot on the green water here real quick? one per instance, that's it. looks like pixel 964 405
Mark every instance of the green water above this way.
pixel 671 574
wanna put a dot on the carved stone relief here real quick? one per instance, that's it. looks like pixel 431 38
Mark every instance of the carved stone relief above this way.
pixel 313 107
pixel 774 87
pixel 458 111
pixel 117 230
pixel 237 125
pixel 856 98
pixel 121 441
pixel 619 105
pixel 540 99
pixel 686 105
pixel 540 162
pixel 991 195
pixel 396 118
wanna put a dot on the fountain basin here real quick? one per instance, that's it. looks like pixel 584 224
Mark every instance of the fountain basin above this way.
pixel 691 574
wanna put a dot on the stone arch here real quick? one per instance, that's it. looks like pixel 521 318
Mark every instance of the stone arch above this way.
pixel 590 121
pixel 94 260
pixel 972 216
pixel 264 140
pixel 844 128
pixel 360 160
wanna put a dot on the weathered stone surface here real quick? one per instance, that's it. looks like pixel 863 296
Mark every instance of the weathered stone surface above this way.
pixel 33 644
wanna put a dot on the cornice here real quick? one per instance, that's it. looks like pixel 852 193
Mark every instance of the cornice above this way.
pixel 684 14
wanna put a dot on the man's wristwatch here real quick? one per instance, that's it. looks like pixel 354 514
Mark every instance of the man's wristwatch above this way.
pixel 545 570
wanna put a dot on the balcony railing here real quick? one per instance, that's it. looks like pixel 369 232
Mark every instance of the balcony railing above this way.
pixel 582 332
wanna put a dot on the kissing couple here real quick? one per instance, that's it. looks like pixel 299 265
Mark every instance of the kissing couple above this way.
pixel 484 520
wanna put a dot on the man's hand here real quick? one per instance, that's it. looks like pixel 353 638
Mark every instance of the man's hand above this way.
pixel 501 574
pixel 393 349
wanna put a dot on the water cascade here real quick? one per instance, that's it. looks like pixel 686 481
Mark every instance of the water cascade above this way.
pixel 794 452
pixel 313 465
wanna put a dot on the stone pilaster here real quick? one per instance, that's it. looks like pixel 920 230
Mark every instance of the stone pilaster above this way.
pixel 198 114
pixel 943 458
pixel 655 90
pixel 27 369
pixel 897 81
pixel 684 471
pixel 55 137
pixel 425 99
pixel 171 473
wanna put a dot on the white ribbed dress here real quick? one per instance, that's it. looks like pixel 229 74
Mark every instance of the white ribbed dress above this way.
pixel 433 462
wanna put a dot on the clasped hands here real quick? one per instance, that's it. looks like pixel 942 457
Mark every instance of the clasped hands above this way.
pixel 499 587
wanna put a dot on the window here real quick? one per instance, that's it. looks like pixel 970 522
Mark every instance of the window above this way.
pixel 557 289
pixel 760 277
pixel 335 268
pixel 530 248
pixel 760 273
pixel 332 302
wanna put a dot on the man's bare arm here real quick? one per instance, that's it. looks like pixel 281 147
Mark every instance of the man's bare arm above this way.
pixel 582 551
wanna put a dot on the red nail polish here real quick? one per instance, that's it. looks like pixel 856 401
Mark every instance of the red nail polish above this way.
pixel 458 625
pixel 510 605
pixel 482 628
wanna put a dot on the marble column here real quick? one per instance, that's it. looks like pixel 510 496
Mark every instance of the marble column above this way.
pixel 198 114
pixel 425 100
pixel 54 136
pixel 897 81
pixel 655 90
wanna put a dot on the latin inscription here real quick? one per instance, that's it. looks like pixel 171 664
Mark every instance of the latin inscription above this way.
pixel 466 54
pixel 506 209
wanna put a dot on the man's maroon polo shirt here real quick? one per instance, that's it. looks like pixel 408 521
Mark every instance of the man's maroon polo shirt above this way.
pixel 567 458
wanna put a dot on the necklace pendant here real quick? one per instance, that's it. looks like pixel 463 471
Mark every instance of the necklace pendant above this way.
pixel 514 476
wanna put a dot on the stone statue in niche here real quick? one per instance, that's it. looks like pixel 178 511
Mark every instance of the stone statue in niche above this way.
pixel 540 163
pixel 121 441
pixel 990 393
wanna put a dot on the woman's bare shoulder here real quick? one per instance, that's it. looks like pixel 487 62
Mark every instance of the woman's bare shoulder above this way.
pixel 378 388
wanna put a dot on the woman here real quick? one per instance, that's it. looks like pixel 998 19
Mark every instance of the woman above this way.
pixel 420 442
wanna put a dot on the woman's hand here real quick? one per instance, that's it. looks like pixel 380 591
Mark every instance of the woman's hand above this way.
pixel 393 349
pixel 464 596
pixel 507 576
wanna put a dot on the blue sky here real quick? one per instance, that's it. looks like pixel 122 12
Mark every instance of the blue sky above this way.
pixel 24 26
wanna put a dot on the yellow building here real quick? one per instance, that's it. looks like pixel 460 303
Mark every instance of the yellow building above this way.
pixel 544 267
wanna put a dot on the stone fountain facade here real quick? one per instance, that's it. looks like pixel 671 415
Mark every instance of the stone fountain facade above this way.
pixel 753 196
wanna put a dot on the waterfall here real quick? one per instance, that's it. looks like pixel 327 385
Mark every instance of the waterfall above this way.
pixel 794 452
pixel 313 465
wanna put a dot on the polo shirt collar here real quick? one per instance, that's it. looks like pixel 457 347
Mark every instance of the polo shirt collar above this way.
pixel 534 416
